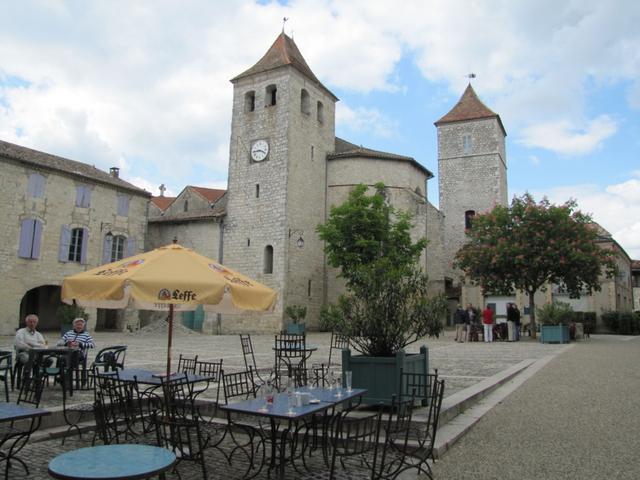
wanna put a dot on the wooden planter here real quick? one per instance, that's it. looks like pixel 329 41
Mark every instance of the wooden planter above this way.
pixel 381 375
pixel 554 334
pixel 296 328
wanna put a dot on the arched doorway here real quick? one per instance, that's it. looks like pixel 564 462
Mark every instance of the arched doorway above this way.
pixel 44 302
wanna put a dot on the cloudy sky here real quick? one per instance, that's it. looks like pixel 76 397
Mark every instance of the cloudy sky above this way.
pixel 144 85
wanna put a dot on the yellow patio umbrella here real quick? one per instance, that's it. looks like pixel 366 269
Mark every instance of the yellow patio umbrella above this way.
pixel 171 278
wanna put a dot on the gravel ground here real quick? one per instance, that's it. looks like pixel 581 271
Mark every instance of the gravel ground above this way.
pixel 575 419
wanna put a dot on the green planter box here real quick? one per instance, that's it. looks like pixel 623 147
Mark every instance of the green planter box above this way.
pixel 554 334
pixel 296 328
pixel 381 375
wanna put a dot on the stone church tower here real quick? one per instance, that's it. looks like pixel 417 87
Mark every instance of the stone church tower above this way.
pixel 283 127
pixel 472 169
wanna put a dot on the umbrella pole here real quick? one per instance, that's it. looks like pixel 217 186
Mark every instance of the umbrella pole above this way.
pixel 170 335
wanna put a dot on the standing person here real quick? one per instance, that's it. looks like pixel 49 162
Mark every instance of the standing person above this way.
pixel 459 320
pixel 487 320
pixel 471 320
pixel 28 338
pixel 78 339
pixel 516 319
pixel 511 322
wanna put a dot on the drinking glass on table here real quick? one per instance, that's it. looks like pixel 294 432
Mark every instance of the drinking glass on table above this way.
pixel 347 380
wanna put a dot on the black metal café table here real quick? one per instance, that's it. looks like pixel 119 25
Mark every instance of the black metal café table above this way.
pixel 112 462
pixel 148 377
pixel 63 354
pixel 280 414
pixel 14 439
pixel 295 356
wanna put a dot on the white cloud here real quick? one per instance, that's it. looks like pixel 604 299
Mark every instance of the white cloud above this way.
pixel 615 207
pixel 565 138
pixel 361 120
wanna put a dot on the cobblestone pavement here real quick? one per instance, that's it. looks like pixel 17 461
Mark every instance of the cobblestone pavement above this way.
pixel 461 364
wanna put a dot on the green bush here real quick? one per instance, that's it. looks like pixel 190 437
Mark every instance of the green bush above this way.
pixel 557 313
pixel 67 313
pixel 329 317
pixel 625 323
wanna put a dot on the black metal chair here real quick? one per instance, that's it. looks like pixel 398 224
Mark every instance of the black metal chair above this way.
pixel 110 358
pixel 397 430
pixel 74 413
pixel 187 365
pixel 183 437
pixel 6 370
pixel 245 432
pixel 290 357
pixel 419 383
pixel 338 342
pixel 261 374
pixel 355 437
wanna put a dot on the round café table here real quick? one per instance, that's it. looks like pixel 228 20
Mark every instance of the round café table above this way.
pixel 112 462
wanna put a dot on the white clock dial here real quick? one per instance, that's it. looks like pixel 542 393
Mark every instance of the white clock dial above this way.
pixel 259 150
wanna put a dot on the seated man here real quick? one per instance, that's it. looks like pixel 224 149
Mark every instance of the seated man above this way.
pixel 28 338
pixel 79 339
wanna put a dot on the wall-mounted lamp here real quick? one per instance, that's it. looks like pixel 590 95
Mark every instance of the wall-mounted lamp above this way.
pixel 300 233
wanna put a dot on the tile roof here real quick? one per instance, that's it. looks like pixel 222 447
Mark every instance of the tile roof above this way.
pixel 344 149
pixel 211 194
pixel 218 210
pixel 162 202
pixel 284 51
pixel 635 264
pixel 81 170
pixel 469 107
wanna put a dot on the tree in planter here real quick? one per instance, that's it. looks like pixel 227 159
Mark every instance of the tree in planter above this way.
pixel 556 313
pixel 530 245
pixel 297 313
pixel 386 306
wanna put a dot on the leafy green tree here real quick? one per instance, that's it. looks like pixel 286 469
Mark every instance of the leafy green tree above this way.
pixel 530 245
pixel 386 307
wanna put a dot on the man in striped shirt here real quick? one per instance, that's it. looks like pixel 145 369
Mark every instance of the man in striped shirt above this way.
pixel 79 339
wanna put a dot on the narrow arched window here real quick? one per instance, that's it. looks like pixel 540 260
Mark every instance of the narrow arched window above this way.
pixel 305 102
pixel 268 259
pixel 185 207
pixel 467 144
pixel 468 219
pixel 250 101
pixel 271 95
pixel 320 112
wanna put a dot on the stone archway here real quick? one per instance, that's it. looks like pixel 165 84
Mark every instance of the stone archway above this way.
pixel 44 302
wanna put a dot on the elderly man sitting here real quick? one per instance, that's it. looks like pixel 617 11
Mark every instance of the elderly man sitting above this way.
pixel 79 339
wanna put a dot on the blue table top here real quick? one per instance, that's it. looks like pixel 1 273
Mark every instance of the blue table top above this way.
pixel 149 377
pixel 13 411
pixel 110 462
pixel 280 408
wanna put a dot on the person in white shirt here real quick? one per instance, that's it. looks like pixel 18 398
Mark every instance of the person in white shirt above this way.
pixel 28 338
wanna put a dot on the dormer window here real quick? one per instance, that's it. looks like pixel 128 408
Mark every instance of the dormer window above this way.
pixel 305 102
pixel 320 108
pixel 250 101
pixel 271 95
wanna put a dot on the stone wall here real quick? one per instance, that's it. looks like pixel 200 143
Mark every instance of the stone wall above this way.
pixel 56 208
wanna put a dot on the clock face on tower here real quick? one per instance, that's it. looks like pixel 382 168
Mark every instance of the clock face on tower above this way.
pixel 259 150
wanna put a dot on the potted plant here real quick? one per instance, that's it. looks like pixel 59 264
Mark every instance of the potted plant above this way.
pixel 555 319
pixel 387 306
pixel 67 313
pixel 297 314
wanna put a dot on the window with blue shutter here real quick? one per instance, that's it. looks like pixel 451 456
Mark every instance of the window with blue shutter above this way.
pixel 65 242
pixel 131 247
pixel 106 248
pixel 77 246
pixel 30 238
pixel 123 205
pixel 83 196
pixel 35 186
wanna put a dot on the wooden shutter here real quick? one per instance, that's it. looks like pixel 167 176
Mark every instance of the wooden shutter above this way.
pixel 123 205
pixel 65 241
pixel 26 238
pixel 131 247
pixel 83 196
pixel 37 239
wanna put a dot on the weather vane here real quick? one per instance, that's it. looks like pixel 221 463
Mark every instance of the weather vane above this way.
pixel 284 20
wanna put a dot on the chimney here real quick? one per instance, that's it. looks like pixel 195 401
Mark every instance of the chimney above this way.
pixel 114 172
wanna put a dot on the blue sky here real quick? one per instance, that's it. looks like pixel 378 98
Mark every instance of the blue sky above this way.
pixel 145 85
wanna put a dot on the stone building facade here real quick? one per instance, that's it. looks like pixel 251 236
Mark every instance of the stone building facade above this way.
pixel 61 217
pixel 286 169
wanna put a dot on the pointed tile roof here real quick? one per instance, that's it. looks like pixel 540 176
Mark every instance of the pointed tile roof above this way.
pixel 162 202
pixel 210 194
pixel 283 52
pixel 469 107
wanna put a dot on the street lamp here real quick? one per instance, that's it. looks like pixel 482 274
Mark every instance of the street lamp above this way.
pixel 300 233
